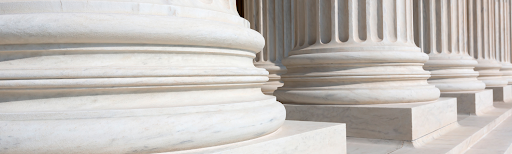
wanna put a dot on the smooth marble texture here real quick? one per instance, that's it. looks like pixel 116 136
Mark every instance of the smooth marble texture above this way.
pixel 294 137
pixel 471 129
pixel 503 94
pixel 472 103
pixel 129 76
pixel 401 121
pixel 498 141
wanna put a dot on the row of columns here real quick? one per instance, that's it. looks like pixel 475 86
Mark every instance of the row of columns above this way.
pixel 365 52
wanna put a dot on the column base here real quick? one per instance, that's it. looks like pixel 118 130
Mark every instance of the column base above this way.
pixel 502 94
pixel 403 121
pixel 472 103
pixel 297 137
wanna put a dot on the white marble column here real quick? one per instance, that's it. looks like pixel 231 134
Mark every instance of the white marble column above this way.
pixel 481 38
pixel 122 76
pixel 442 34
pixel 355 52
pixel 505 42
pixel 273 19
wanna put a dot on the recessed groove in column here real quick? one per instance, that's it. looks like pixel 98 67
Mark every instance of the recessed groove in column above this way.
pixel 389 21
pixel 422 27
pixel 270 33
pixel 301 24
pixel 373 26
pixel 461 27
pixel 361 5
pixel 418 22
pixel 452 26
pixel 486 29
pixel 279 31
pixel 401 21
pixel 440 26
pixel 258 23
pixel 380 24
pixel 410 21
pixel 311 16
pixel 343 20
pixel 288 28
pixel 325 21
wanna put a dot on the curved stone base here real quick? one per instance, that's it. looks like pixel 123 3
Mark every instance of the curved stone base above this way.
pixel 453 73
pixel 138 130
pixel 372 77
pixel 490 73
pixel 275 71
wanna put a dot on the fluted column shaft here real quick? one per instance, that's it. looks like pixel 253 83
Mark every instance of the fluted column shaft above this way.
pixel 442 34
pixel 504 43
pixel 481 42
pixel 355 52
pixel 273 19
pixel 123 76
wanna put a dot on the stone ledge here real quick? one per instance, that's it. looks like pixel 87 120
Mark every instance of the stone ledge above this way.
pixel 472 103
pixel 297 137
pixel 401 121
pixel 471 130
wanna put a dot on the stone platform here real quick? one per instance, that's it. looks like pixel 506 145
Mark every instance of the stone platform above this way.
pixel 294 137
pixel 503 94
pixel 472 103
pixel 470 130
pixel 403 121
pixel 498 141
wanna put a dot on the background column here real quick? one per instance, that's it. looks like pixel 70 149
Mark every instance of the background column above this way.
pixel 355 62
pixel 441 32
pixel 355 52
pixel 273 19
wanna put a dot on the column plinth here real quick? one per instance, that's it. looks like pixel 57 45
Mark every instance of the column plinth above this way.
pixel 129 77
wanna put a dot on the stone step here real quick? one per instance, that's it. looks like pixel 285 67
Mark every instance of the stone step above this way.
pixel 471 129
pixel 498 141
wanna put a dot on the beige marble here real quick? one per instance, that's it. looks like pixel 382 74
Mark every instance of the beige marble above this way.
pixel 402 121
pixel 481 45
pixel 503 94
pixel 355 52
pixel 498 141
pixel 129 76
pixel 503 35
pixel 273 19
pixel 471 129
pixel 472 103
pixel 441 32
pixel 294 137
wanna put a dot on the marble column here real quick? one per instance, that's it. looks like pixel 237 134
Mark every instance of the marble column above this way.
pixel 113 76
pixel 504 43
pixel 355 52
pixel 355 62
pixel 273 19
pixel 480 39
pixel 442 34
